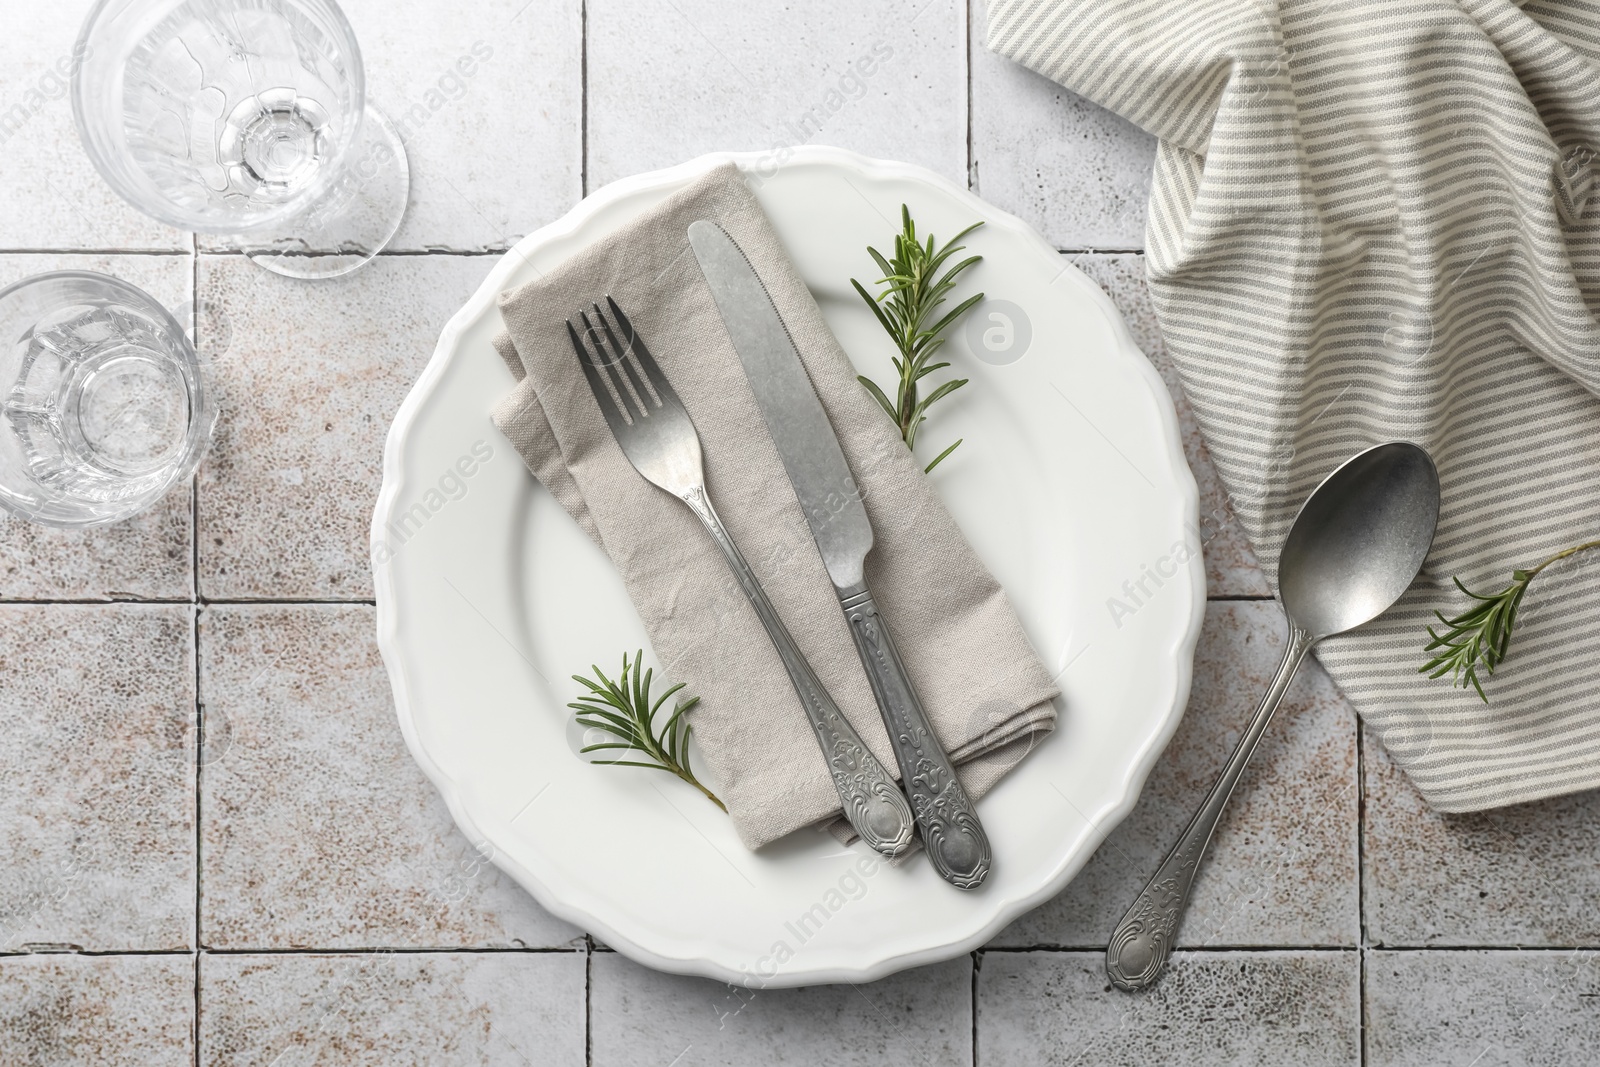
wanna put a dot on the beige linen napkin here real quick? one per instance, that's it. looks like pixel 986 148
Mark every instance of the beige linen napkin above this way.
pixel 987 695
pixel 1377 219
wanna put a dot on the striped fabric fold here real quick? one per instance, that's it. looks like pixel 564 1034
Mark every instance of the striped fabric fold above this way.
pixel 1377 220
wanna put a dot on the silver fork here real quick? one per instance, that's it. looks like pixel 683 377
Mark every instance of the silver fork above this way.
pixel 650 423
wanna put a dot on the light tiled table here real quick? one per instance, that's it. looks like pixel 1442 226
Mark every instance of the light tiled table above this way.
pixel 291 891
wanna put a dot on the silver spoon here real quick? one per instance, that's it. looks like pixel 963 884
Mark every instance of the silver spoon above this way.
pixel 1355 547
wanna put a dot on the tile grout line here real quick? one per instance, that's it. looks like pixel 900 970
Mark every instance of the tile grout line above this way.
pixel 387 253
pixel 966 51
pixel 199 766
pixel 588 1000
pixel 194 1027
pixel 1361 888
pixel 198 601
pixel 1044 950
pixel 583 98
pixel 174 253
pixel 365 950
pixel 194 634
pixel 977 964
pixel 583 191
pixel 966 54
pixel 166 253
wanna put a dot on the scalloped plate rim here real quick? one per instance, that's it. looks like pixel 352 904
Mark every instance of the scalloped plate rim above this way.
pixel 387 622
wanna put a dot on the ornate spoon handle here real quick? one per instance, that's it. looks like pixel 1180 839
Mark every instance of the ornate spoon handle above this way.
pixel 957 846
pixel 872 803
pixel 1142 941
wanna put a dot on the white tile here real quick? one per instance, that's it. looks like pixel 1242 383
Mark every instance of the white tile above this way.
pixel 97 808
pixel 672 79
pixel 488 1009
pixel 1241 1009
pixel 320 830
pixel 1524 875
pixel 1486 1009
pixel 1077 173
pixel 313 377
pixel 54 198
pixel 104 1011
pixel 643 1018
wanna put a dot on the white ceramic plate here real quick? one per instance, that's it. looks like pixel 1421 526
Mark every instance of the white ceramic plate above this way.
pixel 1072 482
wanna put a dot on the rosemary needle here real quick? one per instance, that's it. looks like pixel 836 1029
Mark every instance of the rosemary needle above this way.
pixel 905 309
pixel 624 710
pixel 1481 635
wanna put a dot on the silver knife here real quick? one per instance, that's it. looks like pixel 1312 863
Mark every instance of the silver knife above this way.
pixel 956 843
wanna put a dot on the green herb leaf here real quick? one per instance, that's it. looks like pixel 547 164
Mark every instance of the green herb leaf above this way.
pixel 623 709
pixel 941 455
pixel 912 293
pixel 1481 635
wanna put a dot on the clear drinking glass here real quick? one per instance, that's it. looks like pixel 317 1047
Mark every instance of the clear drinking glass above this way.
pixel 246 118
pixel 103 406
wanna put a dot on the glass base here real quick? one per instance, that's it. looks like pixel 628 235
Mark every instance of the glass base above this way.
pixel 353 222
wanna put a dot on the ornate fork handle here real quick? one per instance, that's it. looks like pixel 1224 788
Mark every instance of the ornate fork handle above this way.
pixel 957 846
pixel 1142 941
pixel 872 802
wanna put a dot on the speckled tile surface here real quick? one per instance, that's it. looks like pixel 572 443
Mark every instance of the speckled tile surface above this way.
pixel 1282 868
pixel 97 1011
pixel 286 495
pixel 1236 1008
pixel 642 1018
pixel 1483 1008
pixel 1524 875
pixel 494 1009
pixel 317 829
pixel 884 80
pixel 1072 170
pixel 96 814
pixel 300 865
pixel 451 76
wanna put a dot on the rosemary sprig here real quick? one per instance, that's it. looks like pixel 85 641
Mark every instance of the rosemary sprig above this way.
pixel 1481 635
pixel 904 309
pixel 623 710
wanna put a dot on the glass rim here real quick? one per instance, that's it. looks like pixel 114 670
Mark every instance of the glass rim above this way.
pixel 101 278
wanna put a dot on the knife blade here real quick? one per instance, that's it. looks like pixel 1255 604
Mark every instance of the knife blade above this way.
pixel 799 427
pixel 832 504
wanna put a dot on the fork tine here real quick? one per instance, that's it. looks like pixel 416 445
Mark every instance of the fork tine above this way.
pixel 658 383
pixel 612 365
pixel 631 376
pixel 612 406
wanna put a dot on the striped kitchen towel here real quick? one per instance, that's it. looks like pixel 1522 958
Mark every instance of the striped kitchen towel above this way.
pixel 1377 219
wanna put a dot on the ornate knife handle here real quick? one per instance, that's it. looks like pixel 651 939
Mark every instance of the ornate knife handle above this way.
pixel 951 832
pixel 1142 941
pixel 872 803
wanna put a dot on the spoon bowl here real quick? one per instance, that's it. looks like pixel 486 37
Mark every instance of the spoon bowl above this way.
pixel 1360 539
